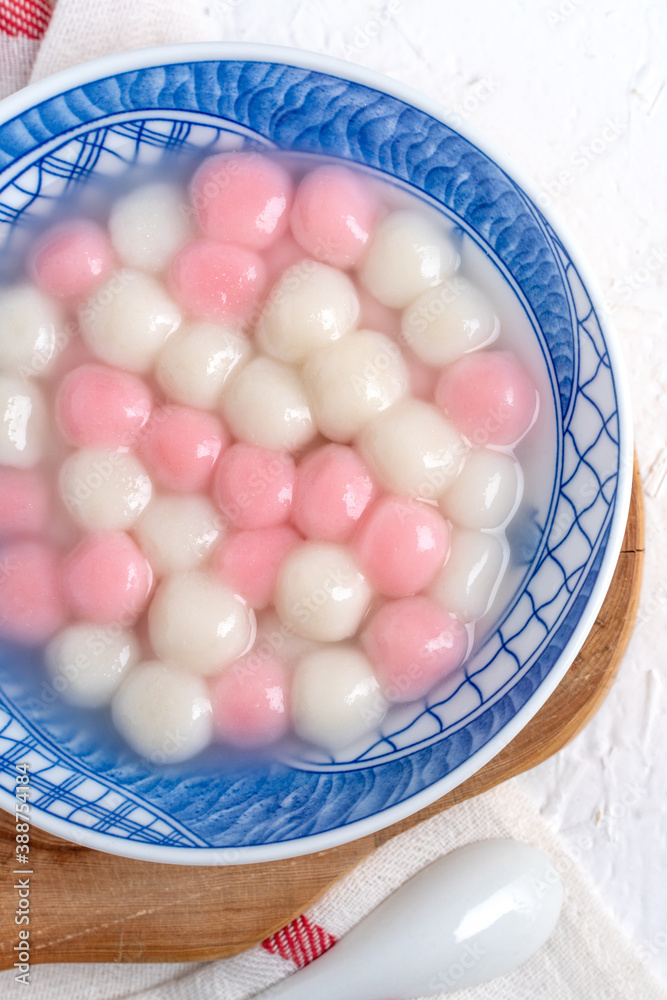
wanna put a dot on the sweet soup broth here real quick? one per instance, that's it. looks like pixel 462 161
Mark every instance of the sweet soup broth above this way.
pixel 266 433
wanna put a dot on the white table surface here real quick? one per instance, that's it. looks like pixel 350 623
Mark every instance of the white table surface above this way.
pixel 574 91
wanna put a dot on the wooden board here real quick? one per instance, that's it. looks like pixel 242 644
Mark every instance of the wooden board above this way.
pixel 93 907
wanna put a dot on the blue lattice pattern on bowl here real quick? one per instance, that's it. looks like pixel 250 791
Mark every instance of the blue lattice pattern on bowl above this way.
pixel 98 129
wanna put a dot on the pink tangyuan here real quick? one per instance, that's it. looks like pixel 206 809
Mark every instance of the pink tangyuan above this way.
pixel 221 282
pixel 413 643
pixel 332 490
pixel 249 561
pixel 72 259
pixel 489 396
pixel 401 545
pixel 107 579
pixel 334 215
pixel 253 486
pixel 181 445
pixel 250 701
pixel 102 407
pixel 32 607
pixel 242 198
pixel 24 502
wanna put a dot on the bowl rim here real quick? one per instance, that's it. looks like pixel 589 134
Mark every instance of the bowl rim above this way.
pixel 143 58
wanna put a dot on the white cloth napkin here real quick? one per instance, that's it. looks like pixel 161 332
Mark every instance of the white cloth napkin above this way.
pixel 587 958
pixel 80 30
pixel 588 955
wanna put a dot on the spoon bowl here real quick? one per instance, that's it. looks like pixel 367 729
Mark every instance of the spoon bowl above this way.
pixel 470 916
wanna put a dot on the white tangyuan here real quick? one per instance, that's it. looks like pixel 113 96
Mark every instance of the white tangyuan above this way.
pixel 322 592
pixel 198 622
pixel 447 321
pixel 87 662
pixel 267 405
pixel 104 490
pixel 23 423
pixel 149 226
pixel 163 712
pixel 408 255
pixel 353 380
pixel 310 305
pixel 486 491
pixel 336 698
pixel 413 449
pixel 198 361
pixel 127 321
pixel 177 532
pixel 466 583
pixel 31 331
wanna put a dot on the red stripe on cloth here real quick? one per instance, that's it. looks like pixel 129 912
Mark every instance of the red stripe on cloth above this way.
pixel 300 941
pixel 25 18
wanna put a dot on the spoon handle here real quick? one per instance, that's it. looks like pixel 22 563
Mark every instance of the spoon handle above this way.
pixel 310 983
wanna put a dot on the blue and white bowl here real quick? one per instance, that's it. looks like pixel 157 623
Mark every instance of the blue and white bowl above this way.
pixel 96 121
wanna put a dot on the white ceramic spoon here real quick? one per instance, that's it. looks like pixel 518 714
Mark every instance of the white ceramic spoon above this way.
pixel 470 916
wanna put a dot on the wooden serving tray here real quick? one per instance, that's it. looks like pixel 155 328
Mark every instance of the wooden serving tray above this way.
pixel 86 906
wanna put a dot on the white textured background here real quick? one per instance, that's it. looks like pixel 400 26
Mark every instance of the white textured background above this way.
pixel 547 80
pixel 574 92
